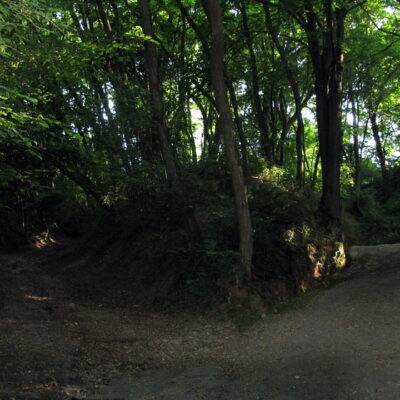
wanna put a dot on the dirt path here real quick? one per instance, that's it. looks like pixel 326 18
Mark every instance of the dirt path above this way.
pixel 342 343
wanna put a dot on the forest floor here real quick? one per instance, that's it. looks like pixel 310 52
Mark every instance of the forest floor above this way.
pixel 337 343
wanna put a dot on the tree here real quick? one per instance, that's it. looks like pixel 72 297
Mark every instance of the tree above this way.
pixel 214 13
pixel 117 101
pixel 156 98
pixel 371 76
pixel 255 88
pixel 326 52
pixel 300 168
pixel 323 24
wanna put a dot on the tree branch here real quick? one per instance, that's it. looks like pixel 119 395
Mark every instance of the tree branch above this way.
pixel 299 18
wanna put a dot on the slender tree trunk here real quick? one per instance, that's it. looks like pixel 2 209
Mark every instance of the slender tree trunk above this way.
pixel 284 130
pixel 84 182
pixel 156 99
pixel 214 13
pixel 378 143
pixel 104 19
pixel 190 133
pixel 117 151
pixel 300 173
pixel 206 127
pixel 213 148
pixel 159 125
pixel 356 153
pixel 255 88
pixel 81 32
pixel 239 127
pixel 115 144
pixel 179 122
pixel 193 25
pixel 117 17
pixel 315 172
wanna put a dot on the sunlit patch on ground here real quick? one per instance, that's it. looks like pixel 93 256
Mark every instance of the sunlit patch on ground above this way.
pixel 83 351
pixel 38 298
pixel 45 387
pixel 43 240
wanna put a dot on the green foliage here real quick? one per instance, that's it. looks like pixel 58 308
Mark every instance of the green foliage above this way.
pixel 377 216
pixel 217 269
pixel 77 136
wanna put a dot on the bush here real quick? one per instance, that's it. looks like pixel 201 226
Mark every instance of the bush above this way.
pixel 375 213
pixel 11 232
pixel 145 253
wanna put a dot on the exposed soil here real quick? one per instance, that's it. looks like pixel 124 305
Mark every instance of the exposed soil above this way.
pixel 341 343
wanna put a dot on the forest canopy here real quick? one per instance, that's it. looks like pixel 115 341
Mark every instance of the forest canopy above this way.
pixel 219 141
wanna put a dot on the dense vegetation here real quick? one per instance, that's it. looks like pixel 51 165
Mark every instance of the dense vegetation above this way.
pixel 200 145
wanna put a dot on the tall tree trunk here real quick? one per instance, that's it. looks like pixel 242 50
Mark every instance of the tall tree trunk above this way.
pixel 104 19
pixel 327 60
pixel 159 125
pixel 315 172
pixel 284 130
pixel 239 127
pixel 300 172
pixel 255 88
pixel 214 13
pixel 190 133
pixel 372 113
pixel 183 114
pixel 156 99
pixel 356 153
pixel 213 148
pixel 179 121
pixel 273 123
pixel 206 127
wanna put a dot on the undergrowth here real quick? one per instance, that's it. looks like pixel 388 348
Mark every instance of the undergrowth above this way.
pixel 143 254
pixel 373 214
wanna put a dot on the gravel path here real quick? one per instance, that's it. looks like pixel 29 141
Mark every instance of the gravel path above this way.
pixel 343 343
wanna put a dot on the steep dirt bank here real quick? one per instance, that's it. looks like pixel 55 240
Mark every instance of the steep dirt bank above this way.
pixel 341 343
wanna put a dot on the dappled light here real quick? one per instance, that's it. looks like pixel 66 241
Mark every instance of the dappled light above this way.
pixel 182 181
pixel 43 240
pixel 38 298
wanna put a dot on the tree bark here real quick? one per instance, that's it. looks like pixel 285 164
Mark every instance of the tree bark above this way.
pixel 156 98
pixel 239 127
pixel 356 153
pixel 300 171
pixel 104 19
pixel 190 133
pixel 255 88
pixel 327 60
pixel 84 182
pixel 214 13
pixel 315 172
pixel 378 143
pixel 284 130
pixel 159 125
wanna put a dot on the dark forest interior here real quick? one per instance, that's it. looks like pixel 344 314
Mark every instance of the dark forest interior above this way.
pixel 200 150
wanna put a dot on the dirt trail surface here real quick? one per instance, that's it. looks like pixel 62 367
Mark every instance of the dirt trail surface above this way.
pixel 342 343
